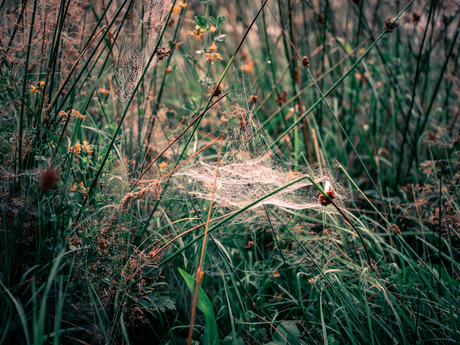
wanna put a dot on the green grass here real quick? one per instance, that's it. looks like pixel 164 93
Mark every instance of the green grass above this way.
pixel 93 250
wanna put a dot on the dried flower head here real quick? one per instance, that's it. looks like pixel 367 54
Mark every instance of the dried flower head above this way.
pixel 101 243
pixel 320 18
pixel 306 62
pixel 389 27
pixel 252 100
pixel 216 91
pixel 282 98
pixel 162 53
pixel 415 17
pixel 48 178
pixel 323 201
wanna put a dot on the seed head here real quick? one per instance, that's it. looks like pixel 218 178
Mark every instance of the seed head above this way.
pixel 320 18
pixel 216 91
pixel 389 27
pixel 282 98
pixel 323 201
pixel 415 17
pixel 48 179
pixel 162 53
pixel 252 100
pixel 306 62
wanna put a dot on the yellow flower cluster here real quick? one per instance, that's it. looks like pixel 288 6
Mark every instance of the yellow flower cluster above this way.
pixel 37 89
pixel 76 149
pixel 212 56
pixel 176 9
pixel 63 114
pixel 199 31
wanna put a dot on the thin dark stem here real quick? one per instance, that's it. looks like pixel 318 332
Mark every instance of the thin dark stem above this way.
pixel 414 90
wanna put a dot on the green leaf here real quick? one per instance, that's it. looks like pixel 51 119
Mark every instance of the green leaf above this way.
pixel 211 336
pixel 289 331
pixel 220 22
pixel 229 341
pixel 201 21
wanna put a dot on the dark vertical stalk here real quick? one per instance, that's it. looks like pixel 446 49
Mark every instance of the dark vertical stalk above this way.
pixel 23 100
pixel 417 76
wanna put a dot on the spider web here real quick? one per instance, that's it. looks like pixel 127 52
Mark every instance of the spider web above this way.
pixel 133 61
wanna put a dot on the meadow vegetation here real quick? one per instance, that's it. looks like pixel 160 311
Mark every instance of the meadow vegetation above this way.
pixel 229 172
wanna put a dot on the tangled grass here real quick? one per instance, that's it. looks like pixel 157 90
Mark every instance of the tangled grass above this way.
pixel 239 172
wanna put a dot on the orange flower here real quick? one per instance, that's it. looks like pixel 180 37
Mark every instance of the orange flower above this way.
pixel 213 46
pixel 212 56
pixel 87 147
pixel 76 149
pixel 168 70
pixel 162 165
pixel 79 188
pixel 103 91
pixel 76 113
pixel 198 34
pixel 248 67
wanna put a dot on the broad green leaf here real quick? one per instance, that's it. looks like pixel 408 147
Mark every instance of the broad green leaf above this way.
pixel 211 336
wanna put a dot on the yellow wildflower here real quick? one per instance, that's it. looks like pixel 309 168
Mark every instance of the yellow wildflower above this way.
pixel 76 149
pixel 76 113
pixel 212 28
pixel 34 89
pixel 182 4
pixel 176 10
pixel 198 34
pixel 162 165
pixel 168 70
pixel 41 83
pixel 87 147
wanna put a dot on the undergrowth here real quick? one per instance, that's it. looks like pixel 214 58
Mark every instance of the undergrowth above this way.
pixel 234 172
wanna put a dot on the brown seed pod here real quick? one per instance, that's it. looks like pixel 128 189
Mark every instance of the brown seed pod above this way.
pixel 389 27
pixel 320 18
pixel 216 91
pixel 306 62
pixel 396 229
pixel 323 201
pixel 252 100
pixel 48 178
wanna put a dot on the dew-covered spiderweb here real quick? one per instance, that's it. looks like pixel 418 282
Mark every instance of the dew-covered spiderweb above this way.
pixel 249 169
pixel 133 58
